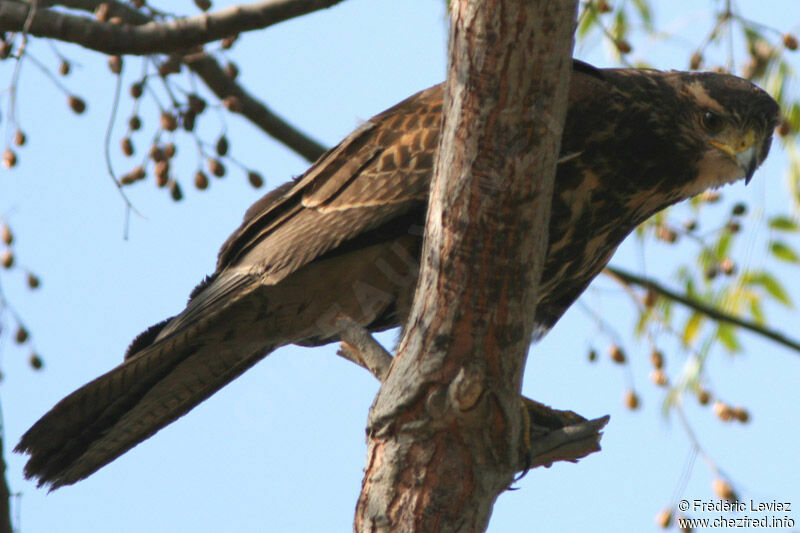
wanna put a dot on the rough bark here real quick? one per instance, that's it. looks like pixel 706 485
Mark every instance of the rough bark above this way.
pixel 445 431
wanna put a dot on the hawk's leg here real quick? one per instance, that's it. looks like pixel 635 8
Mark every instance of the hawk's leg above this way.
pixel 549 435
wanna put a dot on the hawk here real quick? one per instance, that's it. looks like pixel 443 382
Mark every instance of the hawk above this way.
pixel 345 239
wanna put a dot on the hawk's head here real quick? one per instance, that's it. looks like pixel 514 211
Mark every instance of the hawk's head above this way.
pixel 731 122
pixel 653 138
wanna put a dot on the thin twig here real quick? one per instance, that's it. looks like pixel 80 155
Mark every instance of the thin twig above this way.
pixel 712 312
pixel 212 74
pixel 361 348
pixel 111 119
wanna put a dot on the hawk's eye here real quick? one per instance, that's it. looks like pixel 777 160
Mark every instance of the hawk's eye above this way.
pixel 712 122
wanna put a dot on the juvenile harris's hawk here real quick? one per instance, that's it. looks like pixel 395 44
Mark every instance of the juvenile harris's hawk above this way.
pixel 345 238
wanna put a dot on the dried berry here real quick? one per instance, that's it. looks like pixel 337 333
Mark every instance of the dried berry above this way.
pixel 5 50
pixel 169 150
pixel 592 355
pixel 784 128
pixel 201 180
pixel 204 5
pixel 603 6
pixel 115 64
pixel 657 359
pixel 9 158
pixel 215 167
pixel 196 104
pixel 162 172
pixel 255 179
pixel 156 153
pixel 227 42
pixel 703 397
pixel 232 104
pixel 175 191
pixel 631 400
pixel 711 196
pixel 64 68
pixel 659 377
pixel 231 70
pixel 135 123
pixel 171 66
pixel 168 121
pixel 650 298
pixel 790 41
pixel 138 4
pixel 723 489
pixel 133 176
pixel 741 414
pixel 696 61
pixel 127 146
pixel 711 272
pixel 723 411
pixel 739 209
pixel 666 234
pixel 690 225
pixel 136 90
pixel 138 173
pixel 35 361
pixel 188 119
pixel 733 226
pixel 616 353
pixel 5 234
pixel 727 266
pixel 19 138
pixel 623 46
pixel 664 518
pixel 222 146
pixel 21 335
pixel 7 259
pixel 101 12
pixel 77 104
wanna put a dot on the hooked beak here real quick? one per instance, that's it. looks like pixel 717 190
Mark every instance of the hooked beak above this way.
pixel 743 151
pixel 748 161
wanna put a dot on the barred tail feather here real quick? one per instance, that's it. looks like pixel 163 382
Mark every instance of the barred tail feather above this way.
pixel 110 415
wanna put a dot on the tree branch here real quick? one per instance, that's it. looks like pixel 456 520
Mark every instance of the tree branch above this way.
pixel 144 38
pixel 629 278
pixel 445 433
pixel 215 78
pixel 254 110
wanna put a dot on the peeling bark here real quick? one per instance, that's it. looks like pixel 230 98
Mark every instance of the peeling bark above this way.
pixel 446 429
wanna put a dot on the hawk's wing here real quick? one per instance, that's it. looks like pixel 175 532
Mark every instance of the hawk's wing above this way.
pixel 377 174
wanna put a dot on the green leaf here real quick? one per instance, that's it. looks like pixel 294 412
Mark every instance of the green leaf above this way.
pixel 588 21
pixel 770 284
pixel 756 311
pixel 723 244
pixel 783 223
pixel 782 251
pixel 643 7
pixel 727 336
pixel 692 328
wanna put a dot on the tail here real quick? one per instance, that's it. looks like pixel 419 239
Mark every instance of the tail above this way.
pixel 176 370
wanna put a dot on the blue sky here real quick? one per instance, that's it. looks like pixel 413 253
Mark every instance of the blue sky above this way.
pixel 282 448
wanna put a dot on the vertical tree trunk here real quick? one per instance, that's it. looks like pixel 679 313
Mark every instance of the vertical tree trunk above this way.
pixel 445 431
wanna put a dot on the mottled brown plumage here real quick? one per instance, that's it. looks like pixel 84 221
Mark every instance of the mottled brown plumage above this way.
pixel 345 238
